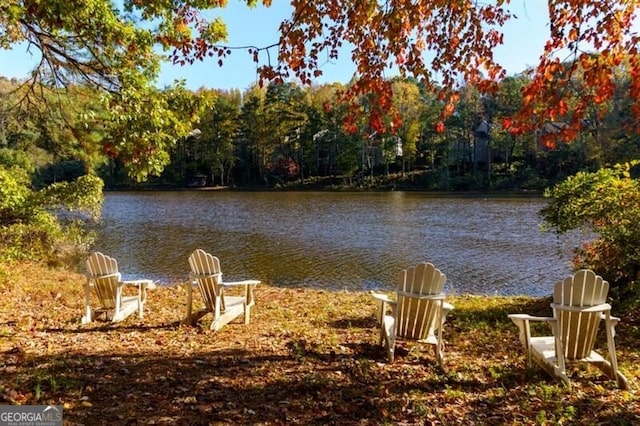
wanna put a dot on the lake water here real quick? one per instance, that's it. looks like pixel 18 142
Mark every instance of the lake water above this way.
pixel 353 241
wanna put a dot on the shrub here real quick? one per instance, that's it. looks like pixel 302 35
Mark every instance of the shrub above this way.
pixel 48 224
pixel 606 203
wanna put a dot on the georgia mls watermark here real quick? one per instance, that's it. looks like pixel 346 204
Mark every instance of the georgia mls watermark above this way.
pixel 30 415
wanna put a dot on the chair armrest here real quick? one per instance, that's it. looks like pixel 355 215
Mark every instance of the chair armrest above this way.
pixel 383 297
pixel 248 286
pixel 239 283
pixel 524 317
pixel 383 300
pixel 523 323
pixel 142 285
pixel 446 308
pixel 610 323
pixel 523 320
pixel 94 277
pixel 148 284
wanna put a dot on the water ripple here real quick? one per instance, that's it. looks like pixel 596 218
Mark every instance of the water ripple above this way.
pixel 356 241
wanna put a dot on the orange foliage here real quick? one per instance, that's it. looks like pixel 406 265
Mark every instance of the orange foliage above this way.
pixel 602 26
pixel 548 141
pixel 512 126
pixel 445 43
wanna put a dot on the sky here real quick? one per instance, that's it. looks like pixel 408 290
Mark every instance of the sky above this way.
pixel 524 40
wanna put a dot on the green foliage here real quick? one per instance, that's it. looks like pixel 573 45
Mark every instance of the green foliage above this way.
pixel 93 91
pixel 140 131
pixel 10 158
pixel 606 203
pixel 87 41
pixel 348 158
pixel 47 224
pixel 145 123
pixel 14 192
pixel 212 151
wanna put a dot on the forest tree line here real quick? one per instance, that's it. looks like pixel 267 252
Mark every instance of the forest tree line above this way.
pixel 288 135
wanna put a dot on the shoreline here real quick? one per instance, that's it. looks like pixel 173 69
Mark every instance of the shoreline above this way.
pixel 346 190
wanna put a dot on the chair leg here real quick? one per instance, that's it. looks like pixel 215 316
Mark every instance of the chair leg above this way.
pixel 562 375
pixel 622 381
pixel 88 316
pixel 615 373
pixel 247 313
pixel 439 354
pixel 215 324
pixel 142 295
pixel 390 340
pixel 188 307
pixel 439 345
pixel 391 349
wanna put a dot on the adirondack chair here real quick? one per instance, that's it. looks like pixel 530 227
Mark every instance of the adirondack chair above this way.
pixel 418 310
pixel 579 306
pixel 105 280
pixel 207 276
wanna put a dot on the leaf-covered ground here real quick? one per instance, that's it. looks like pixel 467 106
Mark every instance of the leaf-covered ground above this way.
pixel 308 357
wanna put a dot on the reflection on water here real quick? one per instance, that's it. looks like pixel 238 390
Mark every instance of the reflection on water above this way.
pixel 356 241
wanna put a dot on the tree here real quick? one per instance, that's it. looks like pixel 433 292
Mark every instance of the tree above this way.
pixel 393 34
pixel 286 106
pixel 596 38
pixel 108 46
pixel 326 132
pixel 255 132
pixel 47 224
pixel 112 49
pixel 442 43
pixel 406 98
pixel 219 132
pixel 140 137
pixel 459 37
pixel 607 204
pixel 349 157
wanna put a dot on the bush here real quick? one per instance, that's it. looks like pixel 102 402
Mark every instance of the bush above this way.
pixel 49 224
pixel 606 203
